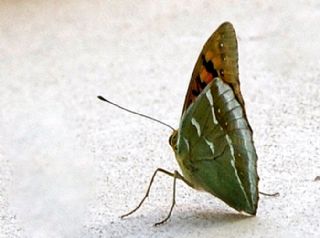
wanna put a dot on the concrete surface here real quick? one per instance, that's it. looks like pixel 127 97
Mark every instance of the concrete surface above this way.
pixel 70 164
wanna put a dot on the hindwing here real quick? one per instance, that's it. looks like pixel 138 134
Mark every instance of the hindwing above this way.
pixel 215 148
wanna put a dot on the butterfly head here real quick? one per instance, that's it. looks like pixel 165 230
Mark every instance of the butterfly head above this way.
pixel 173 140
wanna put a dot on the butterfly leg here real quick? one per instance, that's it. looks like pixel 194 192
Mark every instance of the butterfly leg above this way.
pixel 176 175
pixel 148 190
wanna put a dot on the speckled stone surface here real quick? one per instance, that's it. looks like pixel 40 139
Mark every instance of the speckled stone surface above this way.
pixel 70 165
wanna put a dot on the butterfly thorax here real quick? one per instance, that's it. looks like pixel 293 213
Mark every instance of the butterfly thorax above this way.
pixel 180 148
pixel 173 141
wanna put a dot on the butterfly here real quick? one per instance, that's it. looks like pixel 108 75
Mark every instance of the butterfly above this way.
pixel 213 144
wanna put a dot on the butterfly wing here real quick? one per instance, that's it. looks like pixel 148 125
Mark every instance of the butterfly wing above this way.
pixel 215 149
pixel 218 58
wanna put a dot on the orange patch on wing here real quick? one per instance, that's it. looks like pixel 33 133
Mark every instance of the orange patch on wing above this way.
pixel 208 56
pixel 205 76
pixel 217 62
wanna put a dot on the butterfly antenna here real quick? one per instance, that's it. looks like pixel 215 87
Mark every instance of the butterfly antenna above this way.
pixel 136 113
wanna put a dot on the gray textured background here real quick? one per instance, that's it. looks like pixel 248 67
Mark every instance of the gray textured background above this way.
pixel 70 165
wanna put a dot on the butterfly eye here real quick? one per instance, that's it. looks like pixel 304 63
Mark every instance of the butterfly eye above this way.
pixel 173 140
pixel 170 140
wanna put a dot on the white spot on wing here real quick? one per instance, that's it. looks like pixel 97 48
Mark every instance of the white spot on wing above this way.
pixel 230 145
pixel 209 96
pixel 215 122
pixel 210 144
pixel 233 161
pixel 210 99
pixel 187 143
pixel 196 125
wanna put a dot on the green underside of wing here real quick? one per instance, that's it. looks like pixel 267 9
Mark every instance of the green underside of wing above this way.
pixel 215 149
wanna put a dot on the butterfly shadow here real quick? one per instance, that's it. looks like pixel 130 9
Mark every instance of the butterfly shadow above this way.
pixel 181 222
pixel 212 217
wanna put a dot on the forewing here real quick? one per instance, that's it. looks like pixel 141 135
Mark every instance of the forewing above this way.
pixel 218 58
